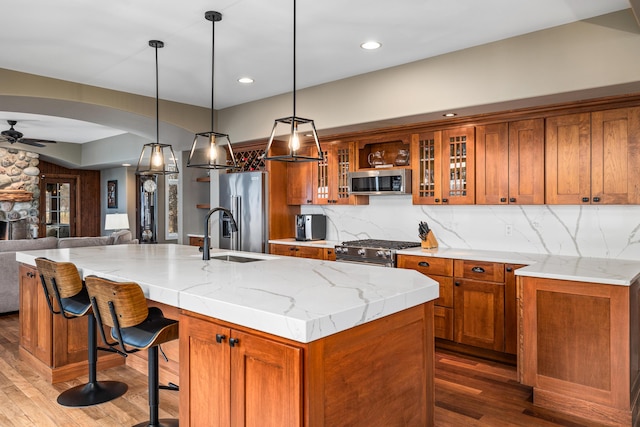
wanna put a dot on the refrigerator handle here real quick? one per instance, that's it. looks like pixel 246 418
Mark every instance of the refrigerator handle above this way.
pixel 236 206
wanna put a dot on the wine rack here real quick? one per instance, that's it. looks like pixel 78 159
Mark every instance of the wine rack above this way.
pixel 250 160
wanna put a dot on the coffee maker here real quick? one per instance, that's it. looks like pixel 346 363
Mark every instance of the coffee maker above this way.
pixel 311 227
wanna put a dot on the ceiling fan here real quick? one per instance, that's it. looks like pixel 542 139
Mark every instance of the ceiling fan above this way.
pixel 12 136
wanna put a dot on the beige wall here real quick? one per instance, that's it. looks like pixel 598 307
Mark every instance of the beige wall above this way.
pixel 587 59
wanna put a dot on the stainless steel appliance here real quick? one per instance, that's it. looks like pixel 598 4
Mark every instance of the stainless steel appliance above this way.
pixel 380 181
pixel 245 195
pixel 370 251
pixel 311 227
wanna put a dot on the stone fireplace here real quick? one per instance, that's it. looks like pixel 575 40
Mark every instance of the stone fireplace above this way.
pixel 19 188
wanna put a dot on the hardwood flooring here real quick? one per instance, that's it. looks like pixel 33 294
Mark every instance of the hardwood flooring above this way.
pixel 469 392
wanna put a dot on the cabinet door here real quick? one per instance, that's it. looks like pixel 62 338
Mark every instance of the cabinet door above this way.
pixel 35 317
pixel 204 373
pixel 615 156
pixel 427 171
pixel 310 252
pixel 329 254
pixel 331 180
pixel 479 313
pixel 526 162
pixel 568 159
pixel 299 183
pixel 266 383
pixel 458 166
pixel 492 164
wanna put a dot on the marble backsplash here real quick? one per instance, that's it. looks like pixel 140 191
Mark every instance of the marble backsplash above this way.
pixel 586 231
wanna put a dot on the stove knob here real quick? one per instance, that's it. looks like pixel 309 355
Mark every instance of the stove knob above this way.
pixel 388 254
pixel 340 250
pixel 380 254
pixel 362 252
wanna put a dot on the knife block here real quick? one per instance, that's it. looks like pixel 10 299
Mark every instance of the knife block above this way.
pixel 430 242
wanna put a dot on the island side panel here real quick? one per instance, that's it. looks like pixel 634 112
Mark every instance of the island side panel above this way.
pixel 379 373
pixel 580 347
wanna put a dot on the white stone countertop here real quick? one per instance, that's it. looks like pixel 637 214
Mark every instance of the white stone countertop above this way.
pixel 296 298
pixel 595 270
pixel 312 243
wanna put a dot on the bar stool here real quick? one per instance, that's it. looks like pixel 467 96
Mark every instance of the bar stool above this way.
pixel 123 307
pixel 61 282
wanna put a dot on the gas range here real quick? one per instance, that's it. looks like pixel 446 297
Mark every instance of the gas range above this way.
pixel 371 251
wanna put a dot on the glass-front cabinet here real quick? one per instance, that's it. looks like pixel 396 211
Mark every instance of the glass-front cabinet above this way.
pixel 443 161
pixel 330 175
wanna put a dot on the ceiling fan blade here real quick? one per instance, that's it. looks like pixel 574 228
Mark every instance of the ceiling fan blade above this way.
pixel 32 142
pixel 41 141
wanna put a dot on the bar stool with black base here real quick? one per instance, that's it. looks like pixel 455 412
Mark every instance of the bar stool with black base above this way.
pixel 61 283
pixel 135 326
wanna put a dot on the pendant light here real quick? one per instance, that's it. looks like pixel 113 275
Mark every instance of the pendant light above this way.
pixel 205 148
pixel 296 125
pixel 153 157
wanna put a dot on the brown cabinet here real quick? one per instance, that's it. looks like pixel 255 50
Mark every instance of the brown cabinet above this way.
pixel 443 165
pixel 300 182
pixel 196 241
pixel 378 373
pixel 478 296
pixel 55 346
pixel 331 184
pixel 440 270
pixel 230 377
pixel 593 157
pixel 303 251
pixel 510 163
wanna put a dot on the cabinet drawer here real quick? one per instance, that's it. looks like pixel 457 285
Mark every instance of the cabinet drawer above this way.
pixel 310 252
pixel 443 322
pixel 427 265
pixel 479 270
pixel 196 241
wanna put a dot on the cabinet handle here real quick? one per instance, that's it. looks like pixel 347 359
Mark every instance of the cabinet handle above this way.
pixel 309 201
pixel 596 199
pixel 585 199
pixel 423 264
pixel 233 342
pixel 329 252
pixel 292 248
pixel 509 269
pixel 512 200
pixel 457 283
pixel 477 270
pixel 503 199
pixel 30 275
pixel 437 200
pixel 220 338
pixel 445 200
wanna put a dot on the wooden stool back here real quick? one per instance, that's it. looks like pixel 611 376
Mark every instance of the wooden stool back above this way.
pixel 127 299
pixel 64 275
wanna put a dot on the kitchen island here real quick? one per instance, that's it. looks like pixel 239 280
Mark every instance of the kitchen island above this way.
pixel 269 340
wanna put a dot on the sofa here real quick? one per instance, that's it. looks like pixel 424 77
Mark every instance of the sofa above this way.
pixel 9 284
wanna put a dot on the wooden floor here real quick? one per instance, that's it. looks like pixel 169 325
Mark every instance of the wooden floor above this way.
pixel 469 392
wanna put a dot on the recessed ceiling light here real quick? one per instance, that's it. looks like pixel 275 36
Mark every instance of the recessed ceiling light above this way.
pixel 450 114
pixel 370 45
pixel 126 164
pixel 245 80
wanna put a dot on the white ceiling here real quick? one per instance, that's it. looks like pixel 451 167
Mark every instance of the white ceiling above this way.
pixel 105 43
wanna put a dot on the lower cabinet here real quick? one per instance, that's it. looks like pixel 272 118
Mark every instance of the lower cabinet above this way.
pixel 477 305
pixel 377 373
pixel 229 377
pixel 303 251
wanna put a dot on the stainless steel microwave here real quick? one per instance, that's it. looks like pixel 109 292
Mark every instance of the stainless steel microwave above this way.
pixel 380 181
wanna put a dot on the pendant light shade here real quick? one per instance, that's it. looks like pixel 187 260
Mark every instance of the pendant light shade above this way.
pixel 206 150
pixel 289 150
pixel 156 158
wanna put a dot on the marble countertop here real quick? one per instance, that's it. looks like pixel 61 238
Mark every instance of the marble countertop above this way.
pixel 296 298
pixel 312 243
pixel 595 270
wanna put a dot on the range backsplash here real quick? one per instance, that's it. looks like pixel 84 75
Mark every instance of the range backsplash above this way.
pixel 587 231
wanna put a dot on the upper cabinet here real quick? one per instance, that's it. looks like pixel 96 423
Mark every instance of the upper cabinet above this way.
pixel 593 157
pixel 443 166
pixel 331 184
pixel 510 163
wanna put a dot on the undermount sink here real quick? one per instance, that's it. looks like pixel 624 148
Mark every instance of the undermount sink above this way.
pixel 236 258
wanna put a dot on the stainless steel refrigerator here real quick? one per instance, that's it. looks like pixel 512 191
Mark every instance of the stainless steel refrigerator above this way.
pixel 245 195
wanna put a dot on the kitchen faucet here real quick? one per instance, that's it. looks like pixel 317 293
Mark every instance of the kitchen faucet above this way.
pixel 234 227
